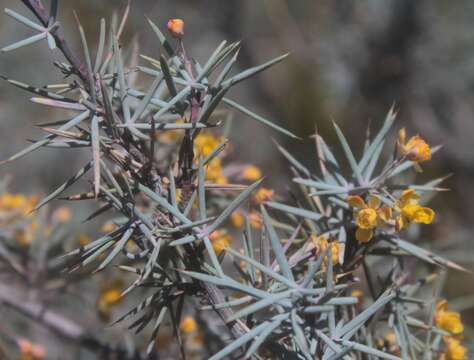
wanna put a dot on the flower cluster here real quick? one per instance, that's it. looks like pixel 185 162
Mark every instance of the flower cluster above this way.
pixel 110 294
pixel 321 244
pixel 30 351
pixel 220 240
pixel 410 211
pixel 205 144
pixel 400 213
pixel 450 321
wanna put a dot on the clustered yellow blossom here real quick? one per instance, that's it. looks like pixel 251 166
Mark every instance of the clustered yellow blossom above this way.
pixel 389 343
pixel 29 351
pixel 188 325
pixel 15 208
pixel 449 321
pixel 205 144
pixel 193 336
pixel 62 215
pixel 255 220
pixel 83 239
pixel 262 195
pixel 454 349
pixel 176 28
pixel 410 211
pixel 415 149
pixel 220 240
pixel 109 296
pixel 321 244
pixel 108 227
pixel 371 215
pixel 14 205
pixel 237 219
pixel 25 235
pixel 368 216
pixel 251 173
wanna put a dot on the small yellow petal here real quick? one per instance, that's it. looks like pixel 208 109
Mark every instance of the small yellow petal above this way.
pixel 251 173
pixel 399 223
pixel 385 214
pixel 424 215
pixel 364 235
pixel 455 350
pixel 374 201
pixel 356 202
pixel 442 305
pixel 408 196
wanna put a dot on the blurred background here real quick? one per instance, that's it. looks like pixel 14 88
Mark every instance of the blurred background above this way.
pixel 350 62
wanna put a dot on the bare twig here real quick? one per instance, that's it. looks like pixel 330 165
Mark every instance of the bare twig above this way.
pixel 38 9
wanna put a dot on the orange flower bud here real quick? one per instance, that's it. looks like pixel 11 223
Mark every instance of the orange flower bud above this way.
pixel 188 325
pixel 176 28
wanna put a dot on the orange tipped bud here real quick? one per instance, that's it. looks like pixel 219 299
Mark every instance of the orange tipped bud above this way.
pixel 176 28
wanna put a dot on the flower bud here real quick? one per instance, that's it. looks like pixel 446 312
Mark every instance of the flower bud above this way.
pixel 176 28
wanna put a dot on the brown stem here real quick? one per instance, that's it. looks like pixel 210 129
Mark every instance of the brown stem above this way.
pixel 238 328
pixel 38 9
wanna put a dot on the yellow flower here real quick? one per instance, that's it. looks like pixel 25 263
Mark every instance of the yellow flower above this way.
pixel 237 219
pixel 262 195
pixel 255 220
pixel 220 240
pixel 109 295
pixel 176 27
pixel 415 149
pixel 321 244
pixel 25 236
pixel 62 214
pixel 108 227
pixel 214 172
pixel 188 325
pixel 221 180
pixel 30 351
pixel 455 351
pixel 368 216
pixel 206 143
pixel 83 239
pixel 12 201
pixel 251 173
pixel 410 211
pixel 448 320
pixel 17 203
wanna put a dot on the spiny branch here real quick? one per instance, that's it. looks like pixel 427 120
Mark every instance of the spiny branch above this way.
pixel 38 9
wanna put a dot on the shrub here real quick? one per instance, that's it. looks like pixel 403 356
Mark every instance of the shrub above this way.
pixel 305 282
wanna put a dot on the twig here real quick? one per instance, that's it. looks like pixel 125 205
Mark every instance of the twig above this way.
pixel 38 9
